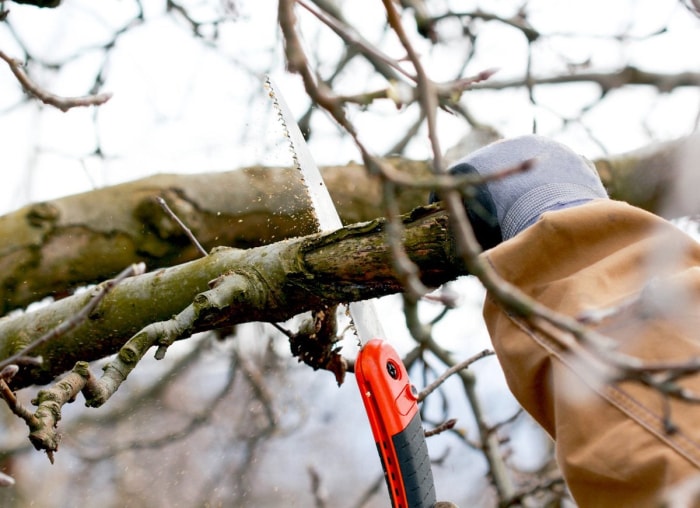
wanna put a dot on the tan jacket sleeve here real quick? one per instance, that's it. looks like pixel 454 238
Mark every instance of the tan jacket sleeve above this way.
pixel 619 442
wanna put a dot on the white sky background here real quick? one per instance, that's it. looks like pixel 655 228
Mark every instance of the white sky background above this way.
pixel 181 106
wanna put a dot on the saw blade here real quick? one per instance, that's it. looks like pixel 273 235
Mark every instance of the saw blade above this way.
pixel 364 314
pixel 326 214
pixel 390 403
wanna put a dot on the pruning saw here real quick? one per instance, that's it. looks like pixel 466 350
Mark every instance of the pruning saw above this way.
pixel 389 398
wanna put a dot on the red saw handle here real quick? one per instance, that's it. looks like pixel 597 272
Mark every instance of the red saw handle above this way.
pixel 392 408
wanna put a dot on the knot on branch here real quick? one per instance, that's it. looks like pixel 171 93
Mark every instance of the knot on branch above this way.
pixel 43 215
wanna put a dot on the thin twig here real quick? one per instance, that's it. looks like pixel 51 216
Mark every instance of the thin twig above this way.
pixel 444 182
pixel 317 488
pixel 507 421
pixel 489 442
pixel 425 86
pixel 298 62
pixel 195 422
pixel 607 81
pixel 351 38
pixel 14 404
pixel 259 385
pixel 443 427
pixel 452 370
pixel 100 292
pixel 182 225
pixel 286 332
pixel 516 22
pixel 428 99
pixel 62 103
pixel 406 270
pixel 546 485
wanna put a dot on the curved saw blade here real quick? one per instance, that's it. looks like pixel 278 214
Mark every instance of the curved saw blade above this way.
pixel 364 314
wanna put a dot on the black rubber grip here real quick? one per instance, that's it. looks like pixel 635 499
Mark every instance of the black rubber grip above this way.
pixel 414 462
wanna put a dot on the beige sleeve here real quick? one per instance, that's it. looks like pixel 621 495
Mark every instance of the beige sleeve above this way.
pixel 619 441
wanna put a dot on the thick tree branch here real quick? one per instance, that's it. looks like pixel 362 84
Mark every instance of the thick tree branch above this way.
pixel 653 177
pixel 123 224
pixel 98 233
pixel 283 279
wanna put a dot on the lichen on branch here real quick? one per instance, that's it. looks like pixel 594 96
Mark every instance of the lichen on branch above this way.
pixel 283 280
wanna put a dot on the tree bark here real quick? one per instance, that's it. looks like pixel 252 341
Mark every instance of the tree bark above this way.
pixel 654 177
pixel 282 279
pixel 52 247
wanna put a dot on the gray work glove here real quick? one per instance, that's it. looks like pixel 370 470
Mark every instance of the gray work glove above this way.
pixel 501 208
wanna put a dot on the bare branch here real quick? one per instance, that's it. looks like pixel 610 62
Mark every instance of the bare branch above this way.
pixel 297 62
pixel 100 292
pixel 164 205
pixel 443 427
pixel 546 485
pixel 453 369
pixel 380 61
pixel 607 81
pixel 329 270
pixel 62 103
pixel 518 21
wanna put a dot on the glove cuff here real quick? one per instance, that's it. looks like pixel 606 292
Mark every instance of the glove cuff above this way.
pixel 528 208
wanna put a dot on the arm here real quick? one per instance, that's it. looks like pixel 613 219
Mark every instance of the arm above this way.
pixel 552 232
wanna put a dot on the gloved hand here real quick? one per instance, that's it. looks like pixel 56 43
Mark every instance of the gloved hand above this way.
pixel 501 208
